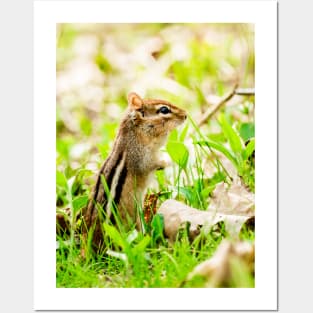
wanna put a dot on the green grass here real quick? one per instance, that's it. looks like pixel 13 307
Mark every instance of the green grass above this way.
pixel 133 259
pixel 141 264
pixel 202 157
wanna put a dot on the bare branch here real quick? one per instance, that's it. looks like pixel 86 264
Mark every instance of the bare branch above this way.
pixel 245 92
pixel 209 113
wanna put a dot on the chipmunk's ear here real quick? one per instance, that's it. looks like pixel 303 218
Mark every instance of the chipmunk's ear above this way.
pixel 134 101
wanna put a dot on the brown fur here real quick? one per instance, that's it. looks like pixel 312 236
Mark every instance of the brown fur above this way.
pixel 141 134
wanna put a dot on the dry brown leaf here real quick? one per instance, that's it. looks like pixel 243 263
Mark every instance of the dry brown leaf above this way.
pixel 233 200
pixel 218 270
pixel 177 214
pixel 149 206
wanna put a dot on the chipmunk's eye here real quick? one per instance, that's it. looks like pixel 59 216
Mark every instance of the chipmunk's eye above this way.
pixel 164 110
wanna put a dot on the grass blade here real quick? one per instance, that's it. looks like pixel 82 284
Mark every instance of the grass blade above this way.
pixel 232 137
pixel 219 147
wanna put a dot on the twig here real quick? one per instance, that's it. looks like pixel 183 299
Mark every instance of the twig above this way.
pixel 245 92
pixel 209 113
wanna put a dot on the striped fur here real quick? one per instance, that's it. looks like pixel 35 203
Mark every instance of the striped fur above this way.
pixel 129 166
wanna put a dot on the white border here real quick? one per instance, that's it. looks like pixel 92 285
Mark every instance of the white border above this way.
pixel 264 15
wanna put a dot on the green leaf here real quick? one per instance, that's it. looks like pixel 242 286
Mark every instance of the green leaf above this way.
pixel 184 133
pixel 249 149
pixel 206 191
pixel 173 136
pixel 63 146
pixel 77 181
pixel 181 71
pixel 157 225
pixel 142 245
pixel 231 135
pixel 103 63
pixel 247 131
pixel 187 192
pixel 115 236
pixel 86 126
pixel 219 147
pixel 217 178
pixel 178 152
pixel 83 172
pixel 219 137
pixel 61 180
pixel 79 203
pixel 160 175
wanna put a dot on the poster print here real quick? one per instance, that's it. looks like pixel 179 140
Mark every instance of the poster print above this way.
pixel 155 155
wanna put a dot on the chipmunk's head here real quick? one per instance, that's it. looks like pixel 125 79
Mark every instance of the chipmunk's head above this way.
pixel 153 116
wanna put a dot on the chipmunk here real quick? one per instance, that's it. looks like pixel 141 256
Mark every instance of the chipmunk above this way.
pixel 127 170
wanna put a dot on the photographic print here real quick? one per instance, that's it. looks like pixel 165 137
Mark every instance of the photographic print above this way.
pixel 155 155
pixel 146 171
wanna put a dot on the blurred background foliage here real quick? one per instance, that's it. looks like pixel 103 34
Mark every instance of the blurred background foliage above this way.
pixel 97 65
pixel 191 65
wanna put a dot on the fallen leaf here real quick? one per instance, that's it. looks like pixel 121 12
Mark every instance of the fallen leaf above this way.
pixel 177 214
pixel 235 199
pixel 220 269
